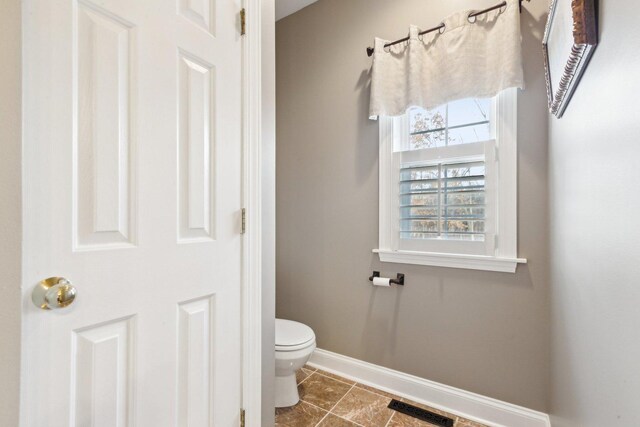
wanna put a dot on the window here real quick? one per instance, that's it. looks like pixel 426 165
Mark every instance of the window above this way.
pixel 448 185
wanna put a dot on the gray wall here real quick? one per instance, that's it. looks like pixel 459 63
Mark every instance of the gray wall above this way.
pixel 10 208
pixel 595 243
pixel 480 331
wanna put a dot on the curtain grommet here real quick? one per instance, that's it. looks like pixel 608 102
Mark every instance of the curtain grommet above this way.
pixel 473 16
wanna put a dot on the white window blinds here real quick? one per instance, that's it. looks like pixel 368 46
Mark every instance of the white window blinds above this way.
pixel 443 200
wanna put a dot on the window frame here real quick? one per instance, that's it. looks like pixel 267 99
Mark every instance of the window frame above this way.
pixel 501 253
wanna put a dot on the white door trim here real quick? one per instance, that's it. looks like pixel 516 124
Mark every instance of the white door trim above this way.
pixel 252 201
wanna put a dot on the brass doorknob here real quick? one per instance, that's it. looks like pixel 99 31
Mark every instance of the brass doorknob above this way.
pixel 53 293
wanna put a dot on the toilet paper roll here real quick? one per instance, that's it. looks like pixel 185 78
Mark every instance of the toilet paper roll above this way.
pixel 381 281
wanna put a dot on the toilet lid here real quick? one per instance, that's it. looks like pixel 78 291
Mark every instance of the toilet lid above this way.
pixel 292 334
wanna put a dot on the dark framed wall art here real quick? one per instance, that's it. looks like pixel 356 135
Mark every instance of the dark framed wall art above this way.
pixel 570 38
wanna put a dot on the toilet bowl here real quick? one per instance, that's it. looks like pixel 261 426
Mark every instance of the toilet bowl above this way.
pixel 294 344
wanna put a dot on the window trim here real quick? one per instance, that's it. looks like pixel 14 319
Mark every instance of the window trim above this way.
pixel 505 257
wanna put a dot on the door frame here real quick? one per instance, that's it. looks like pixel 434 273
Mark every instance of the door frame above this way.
pixel 258 172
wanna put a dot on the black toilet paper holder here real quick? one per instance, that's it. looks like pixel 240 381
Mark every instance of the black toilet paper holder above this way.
pixel 399 280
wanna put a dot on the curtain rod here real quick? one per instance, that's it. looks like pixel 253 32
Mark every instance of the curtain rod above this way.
pixel 441 26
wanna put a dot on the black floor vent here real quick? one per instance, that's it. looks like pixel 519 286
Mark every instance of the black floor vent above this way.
pixel 421 414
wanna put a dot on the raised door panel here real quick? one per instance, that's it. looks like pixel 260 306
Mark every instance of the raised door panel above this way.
pixel 196 197
pixel 200 12
pixel 195 362
pixel 103 169
pixel 102 394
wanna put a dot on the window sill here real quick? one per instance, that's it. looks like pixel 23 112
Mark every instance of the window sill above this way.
pixel 469 262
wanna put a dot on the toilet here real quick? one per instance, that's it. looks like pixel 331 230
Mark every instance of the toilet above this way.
pixel 294 344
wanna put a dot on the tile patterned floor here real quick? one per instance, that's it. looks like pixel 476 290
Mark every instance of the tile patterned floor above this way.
pixel 327 400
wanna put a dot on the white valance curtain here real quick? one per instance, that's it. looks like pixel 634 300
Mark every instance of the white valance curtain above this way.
pixel 471 57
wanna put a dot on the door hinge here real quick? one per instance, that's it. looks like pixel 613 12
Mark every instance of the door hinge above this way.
pixel 242 417
pixel 244 221
pixel 243 22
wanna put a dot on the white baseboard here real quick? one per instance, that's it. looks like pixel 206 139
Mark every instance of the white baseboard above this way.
pixel 486 410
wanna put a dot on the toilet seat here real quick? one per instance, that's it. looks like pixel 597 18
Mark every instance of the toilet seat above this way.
pixel 292 336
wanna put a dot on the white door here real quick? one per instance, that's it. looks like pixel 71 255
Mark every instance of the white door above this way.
pixel 132 192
